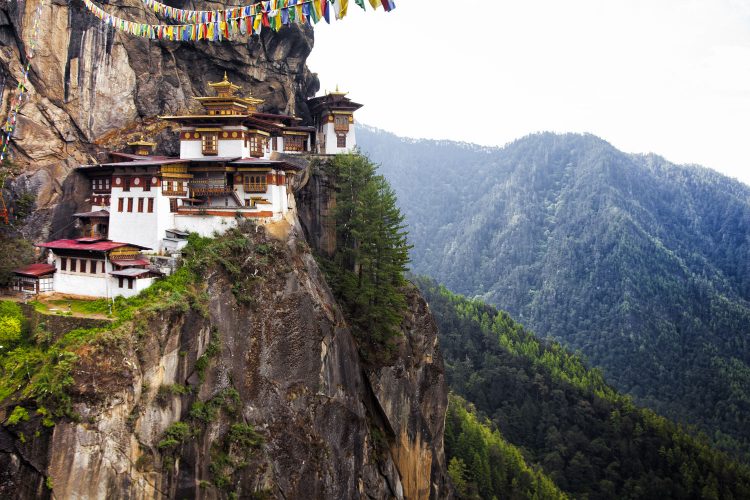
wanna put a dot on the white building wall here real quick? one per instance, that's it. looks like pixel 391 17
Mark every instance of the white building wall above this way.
pixel 92 285
pixel 139 285
pixel 191 149
pixel 229 147
pixel 204 225
pixel 331 145
pixel 140 228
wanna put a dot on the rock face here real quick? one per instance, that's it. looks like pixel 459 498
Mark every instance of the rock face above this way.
pixel 286 363
pixel 93 88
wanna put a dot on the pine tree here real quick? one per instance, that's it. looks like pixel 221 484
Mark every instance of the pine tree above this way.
pixel 372 250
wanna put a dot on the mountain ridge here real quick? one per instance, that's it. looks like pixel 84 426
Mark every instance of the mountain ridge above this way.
pixel 642 265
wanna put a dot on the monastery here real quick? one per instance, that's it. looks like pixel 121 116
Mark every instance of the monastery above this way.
pixel 233 164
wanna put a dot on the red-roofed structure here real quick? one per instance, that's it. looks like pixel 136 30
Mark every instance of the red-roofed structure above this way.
pixel 88 245
pixel 34 278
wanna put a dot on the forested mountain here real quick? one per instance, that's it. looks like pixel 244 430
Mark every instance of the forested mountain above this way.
pixel 642 265
pixel 590 440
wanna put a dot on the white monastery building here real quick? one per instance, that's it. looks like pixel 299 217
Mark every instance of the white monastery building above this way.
pixel 231 166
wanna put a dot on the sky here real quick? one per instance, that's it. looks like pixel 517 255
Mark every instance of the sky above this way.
pixel 662 76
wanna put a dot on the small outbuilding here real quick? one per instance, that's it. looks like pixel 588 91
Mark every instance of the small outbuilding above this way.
pixel 34 279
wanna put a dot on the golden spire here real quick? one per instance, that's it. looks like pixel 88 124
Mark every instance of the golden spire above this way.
pixel 337 91
pixel 224 88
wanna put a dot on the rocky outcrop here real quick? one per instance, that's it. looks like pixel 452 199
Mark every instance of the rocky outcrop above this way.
pixel 93 88
pixel 282 361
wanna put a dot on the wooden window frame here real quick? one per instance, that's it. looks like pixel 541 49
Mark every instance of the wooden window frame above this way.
pixel 92 269
pixel 120 281
pixel 63 263
pixel 140 205
pixel 341 123
pixel 210 143
pixel 73 265
pixel 150 205
pixel 83 266
pixel 120 204
pixel 340 140
pixel 126 183
pixel 255 183
pixel 130 205
pixel 294 143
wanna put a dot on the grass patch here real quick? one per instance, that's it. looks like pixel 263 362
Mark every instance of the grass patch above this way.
pixel 37 369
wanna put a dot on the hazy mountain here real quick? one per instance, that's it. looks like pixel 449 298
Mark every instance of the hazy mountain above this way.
pixel 641 264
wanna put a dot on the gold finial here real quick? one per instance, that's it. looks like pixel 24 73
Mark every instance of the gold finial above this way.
pixel 226 78
pixel 337 91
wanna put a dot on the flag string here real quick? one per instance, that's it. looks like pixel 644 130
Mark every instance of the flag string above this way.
pixel 218 25
pixel 22 88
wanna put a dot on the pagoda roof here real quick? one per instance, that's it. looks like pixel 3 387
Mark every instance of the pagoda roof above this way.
pixel 332 101
pixel 144 163
pixel 133 156
pixel 141 142
pixel 36 270
pixel 283 165
pixel 131 272
pixel 102 214
pixel 90 244
pixel 131 262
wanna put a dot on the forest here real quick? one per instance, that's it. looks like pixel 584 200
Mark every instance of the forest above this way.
pixel 583 435
pixel 641 265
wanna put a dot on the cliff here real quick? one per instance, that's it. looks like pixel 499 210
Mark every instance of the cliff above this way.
pixel 92 88
pixel 247 385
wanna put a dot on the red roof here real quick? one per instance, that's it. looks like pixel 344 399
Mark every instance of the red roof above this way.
pixel 98 246
pixel 131 263
pixel 36 270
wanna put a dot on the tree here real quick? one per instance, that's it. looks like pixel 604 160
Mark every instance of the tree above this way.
pixel 372 250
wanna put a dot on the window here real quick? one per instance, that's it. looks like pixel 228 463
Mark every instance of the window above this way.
pixel 150 205
pixel 120 202
pixel 130 283
pixel 140 205
pixel 83 265
pixel 340 141
pixel 119 281
pixel 63 264
pixel 106 183
pixel 341 123
pixel 209 142
pixel 173 205
pixel 275 144
pixel 104 270
pixel 147 184
pixel 130 204
pixel 257 143
pixel 126 186
pixel 92 269
pixel 72 265
pixel 255 183
pixel 294 143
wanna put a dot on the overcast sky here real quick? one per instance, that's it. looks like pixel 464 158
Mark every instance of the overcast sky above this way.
pixel 664 76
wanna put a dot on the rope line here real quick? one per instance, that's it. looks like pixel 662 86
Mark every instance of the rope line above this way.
pixel 21 96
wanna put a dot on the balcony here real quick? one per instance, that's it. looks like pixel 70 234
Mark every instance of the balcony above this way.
pixel 209 188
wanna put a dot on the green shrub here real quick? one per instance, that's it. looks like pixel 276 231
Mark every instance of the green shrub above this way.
pixel 19 413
